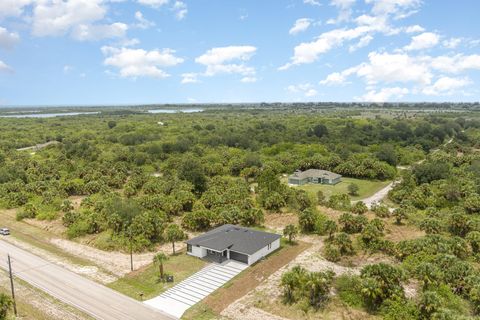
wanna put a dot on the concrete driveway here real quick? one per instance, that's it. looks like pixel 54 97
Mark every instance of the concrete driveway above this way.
pixel 178 299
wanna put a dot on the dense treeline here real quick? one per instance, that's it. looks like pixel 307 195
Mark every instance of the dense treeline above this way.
pixel 204 169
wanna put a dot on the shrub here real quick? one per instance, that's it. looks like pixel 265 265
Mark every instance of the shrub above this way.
pixel 332 253
pixel 359 207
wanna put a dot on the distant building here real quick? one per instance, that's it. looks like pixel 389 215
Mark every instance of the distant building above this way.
pixel 314 176
pixel 230 242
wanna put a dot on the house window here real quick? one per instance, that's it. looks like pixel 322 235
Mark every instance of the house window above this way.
pixel 189 248
pixel 269 246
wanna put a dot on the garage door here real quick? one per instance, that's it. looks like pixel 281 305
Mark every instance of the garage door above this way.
pixel 239 257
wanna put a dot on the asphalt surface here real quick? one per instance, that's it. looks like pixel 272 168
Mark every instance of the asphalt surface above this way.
pixel 88 296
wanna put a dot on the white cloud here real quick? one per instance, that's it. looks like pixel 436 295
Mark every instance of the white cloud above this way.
pixel 414 29
pixel 308 52
pixel 189 78
pixel 446 86
pixel 300 25
pixel 345 10
pixel 248 79
pixel 153 3
pixel 59 17
pixel 389 68
pixel 338 78
pixel 312 2
pixel 76 17
pixel 180 9
pixel 456 63
pixel 423 41
pixel 86 32
pixel 384 95
pixel 142 22
pixel 133 63
pixel 128 42
pixel 307 89
pixel 8 39
pixel 363 42
pixel 452 43
pixel 4 68
pixel 398 8
pixel 229 59
pixel 13 8
pixel 67 68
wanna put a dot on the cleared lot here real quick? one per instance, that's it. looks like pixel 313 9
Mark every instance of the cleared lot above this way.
pixel 178 299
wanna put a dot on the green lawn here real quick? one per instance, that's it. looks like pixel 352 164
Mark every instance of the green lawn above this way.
pixel 367 187
pixel 144 281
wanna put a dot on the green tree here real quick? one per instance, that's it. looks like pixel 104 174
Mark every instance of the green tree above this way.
pixel 318 285
pixel 473 238
pixel 112 124
pixel 158 260
pixel 431 226
pixel 330 227
pixel 400 214
pixel 359 207
pixel 353 189
pixel 290 231
pixel 381 282
pixel 173 233
pixel 307 220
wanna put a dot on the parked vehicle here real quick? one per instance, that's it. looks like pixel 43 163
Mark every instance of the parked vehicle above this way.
pixel 4 231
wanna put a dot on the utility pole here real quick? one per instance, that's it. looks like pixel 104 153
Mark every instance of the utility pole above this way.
pixel 131 248
pixel 131 256
pixel 11 285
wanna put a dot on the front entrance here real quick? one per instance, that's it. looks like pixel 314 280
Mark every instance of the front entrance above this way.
pixel 216 256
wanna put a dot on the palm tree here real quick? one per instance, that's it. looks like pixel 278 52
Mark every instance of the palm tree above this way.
pixel 173 233
pixel 291 232
pixel 159 259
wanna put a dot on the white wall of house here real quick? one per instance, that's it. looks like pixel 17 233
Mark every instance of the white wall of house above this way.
pixel 263 252
pixel 198 252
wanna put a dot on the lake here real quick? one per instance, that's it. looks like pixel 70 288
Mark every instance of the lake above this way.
pixel 175 110
pixel 46 115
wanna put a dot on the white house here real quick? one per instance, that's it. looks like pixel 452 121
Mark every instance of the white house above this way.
pixel 235 243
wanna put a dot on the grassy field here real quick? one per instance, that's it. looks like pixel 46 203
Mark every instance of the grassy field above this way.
pixel 145 280
pixel 367 187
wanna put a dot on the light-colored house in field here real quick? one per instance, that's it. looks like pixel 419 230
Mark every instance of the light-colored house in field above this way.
pixel 314 176
pixel 230 242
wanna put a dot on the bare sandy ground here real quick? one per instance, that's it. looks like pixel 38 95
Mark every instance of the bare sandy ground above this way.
pixel 117 263
pixel 271 290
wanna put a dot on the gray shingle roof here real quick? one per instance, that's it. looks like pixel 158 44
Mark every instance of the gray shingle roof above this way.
pixel 315 173
pixel 235 238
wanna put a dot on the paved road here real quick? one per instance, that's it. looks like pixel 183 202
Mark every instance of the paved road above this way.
pixel 90 297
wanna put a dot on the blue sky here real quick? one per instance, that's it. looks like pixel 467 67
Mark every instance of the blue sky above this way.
pixel 55 52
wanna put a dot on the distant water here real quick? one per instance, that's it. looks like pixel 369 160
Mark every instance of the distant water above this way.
pixel 175 110
pixel 47 115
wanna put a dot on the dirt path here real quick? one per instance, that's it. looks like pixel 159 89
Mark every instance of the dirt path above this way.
pixel 378 196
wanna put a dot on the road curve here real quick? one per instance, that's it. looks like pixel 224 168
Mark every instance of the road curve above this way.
pixel 88 296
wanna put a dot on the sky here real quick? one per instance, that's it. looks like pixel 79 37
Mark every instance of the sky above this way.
pixel 91 52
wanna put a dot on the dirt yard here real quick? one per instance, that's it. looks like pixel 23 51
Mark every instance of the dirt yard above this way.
pixel 253 276
pixel 265 298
